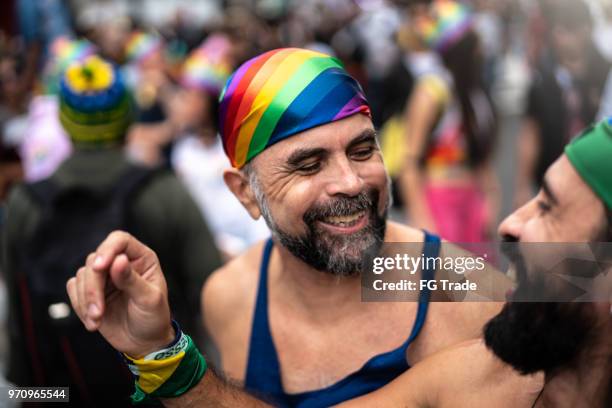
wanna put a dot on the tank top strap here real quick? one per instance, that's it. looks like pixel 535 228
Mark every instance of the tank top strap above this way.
pixel 263 368
pixel 431 248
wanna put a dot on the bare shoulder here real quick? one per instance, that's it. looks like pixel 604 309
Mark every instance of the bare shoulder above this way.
pixel 231 289
pixel 228 301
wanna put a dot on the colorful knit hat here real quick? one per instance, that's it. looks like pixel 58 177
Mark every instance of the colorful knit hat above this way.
pixel 447 22
pixel 591 155
pixel 280 93
pixel 95 107
pixel 141 45
pixel 208 67
pixel 62 52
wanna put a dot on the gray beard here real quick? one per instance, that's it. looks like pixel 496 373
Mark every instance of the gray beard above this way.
pixel 339 255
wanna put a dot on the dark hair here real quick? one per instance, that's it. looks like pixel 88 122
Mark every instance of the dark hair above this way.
pixel 464 62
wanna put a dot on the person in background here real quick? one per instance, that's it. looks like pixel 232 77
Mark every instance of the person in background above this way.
pixel 50 225
pixel 198 157
pixel 145 71
pixel 565 94
pixel 147 76
pixel 45 144
pixel 447 181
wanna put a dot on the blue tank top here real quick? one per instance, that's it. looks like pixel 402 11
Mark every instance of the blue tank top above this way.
pixel 263 375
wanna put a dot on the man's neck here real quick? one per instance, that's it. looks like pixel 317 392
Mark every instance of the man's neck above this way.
pixel 323 295
pixel 587 382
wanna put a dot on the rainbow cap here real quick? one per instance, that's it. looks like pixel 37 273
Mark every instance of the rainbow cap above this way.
pixel 141 45
pixel 95 107
pixel 208 67
pixel 447 22
pixel 280 93
pixel 62 52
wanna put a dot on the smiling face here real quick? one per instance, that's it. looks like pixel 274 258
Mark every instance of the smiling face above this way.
pixel 533 336
pixel 324 193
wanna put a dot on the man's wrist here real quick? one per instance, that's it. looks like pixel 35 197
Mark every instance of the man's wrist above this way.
pixel 171 337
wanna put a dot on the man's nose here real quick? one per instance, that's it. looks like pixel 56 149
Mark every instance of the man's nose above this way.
pixel 511 227
pixel 344 179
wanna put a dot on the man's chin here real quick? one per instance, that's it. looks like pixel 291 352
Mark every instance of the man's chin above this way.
pixel 533 337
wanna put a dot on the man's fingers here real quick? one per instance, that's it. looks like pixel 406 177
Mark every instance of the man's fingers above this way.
pixel 71 288
pixel 95 284
pixel 118 242
pixel 82 303
pixel 127 280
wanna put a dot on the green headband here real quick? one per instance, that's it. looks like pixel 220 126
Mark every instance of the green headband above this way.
pixel 591 155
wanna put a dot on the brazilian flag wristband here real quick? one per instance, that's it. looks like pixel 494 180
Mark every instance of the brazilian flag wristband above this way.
pixel 169 372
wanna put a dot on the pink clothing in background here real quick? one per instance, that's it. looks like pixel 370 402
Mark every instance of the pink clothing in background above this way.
pixel 45 144
pixel 460 212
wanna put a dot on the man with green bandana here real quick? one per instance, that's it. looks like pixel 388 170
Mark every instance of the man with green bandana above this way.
pixel 569 342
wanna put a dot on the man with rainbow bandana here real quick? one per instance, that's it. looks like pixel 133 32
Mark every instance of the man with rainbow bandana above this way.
pixel 297 130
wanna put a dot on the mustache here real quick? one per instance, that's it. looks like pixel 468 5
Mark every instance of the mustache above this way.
pixel 342 206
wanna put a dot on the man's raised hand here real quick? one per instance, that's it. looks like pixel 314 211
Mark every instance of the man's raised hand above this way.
pixel 121 291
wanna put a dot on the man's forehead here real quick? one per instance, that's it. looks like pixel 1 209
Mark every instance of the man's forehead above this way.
pixel 331 136
pixel 565 184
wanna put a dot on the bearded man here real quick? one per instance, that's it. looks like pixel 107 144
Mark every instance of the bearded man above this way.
pixel 570 342
pixel 286 315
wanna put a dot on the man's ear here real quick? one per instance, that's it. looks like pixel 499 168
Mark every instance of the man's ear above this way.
pixel 238 184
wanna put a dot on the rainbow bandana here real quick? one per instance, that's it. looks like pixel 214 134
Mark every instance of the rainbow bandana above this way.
pixel 62 52
pixel 280 93
pixel 208 67
pixel 141 45
pixel 591 155
pixel 446 24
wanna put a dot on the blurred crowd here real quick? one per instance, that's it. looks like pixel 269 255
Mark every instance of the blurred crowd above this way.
pixel 544 67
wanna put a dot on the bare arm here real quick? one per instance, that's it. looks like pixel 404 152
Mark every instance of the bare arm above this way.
pixel 213 392
pixel 462 376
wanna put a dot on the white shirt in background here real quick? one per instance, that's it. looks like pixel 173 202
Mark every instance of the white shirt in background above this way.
pixel 201 167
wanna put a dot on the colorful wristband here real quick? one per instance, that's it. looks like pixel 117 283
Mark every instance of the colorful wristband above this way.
pixel 169 372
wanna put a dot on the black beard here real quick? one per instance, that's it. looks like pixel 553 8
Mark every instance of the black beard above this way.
pixel 340 255
pixel 538 336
